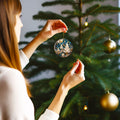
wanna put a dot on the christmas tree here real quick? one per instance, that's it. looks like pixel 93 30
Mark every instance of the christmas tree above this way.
pixel 95 43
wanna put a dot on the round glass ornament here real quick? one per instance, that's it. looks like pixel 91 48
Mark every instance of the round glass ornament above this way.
pixel 63 47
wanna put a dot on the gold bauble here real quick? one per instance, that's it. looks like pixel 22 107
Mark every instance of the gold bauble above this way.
pixel 110 46
pixel 109 102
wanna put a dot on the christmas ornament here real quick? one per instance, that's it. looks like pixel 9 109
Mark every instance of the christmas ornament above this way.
pixel 63 47
pixel 109 102
pixel 110 46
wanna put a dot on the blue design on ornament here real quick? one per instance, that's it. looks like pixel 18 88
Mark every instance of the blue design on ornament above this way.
pixel 63 48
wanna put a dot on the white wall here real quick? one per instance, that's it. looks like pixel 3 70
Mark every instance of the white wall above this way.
pixel 119 25
pixel 119 13
pixel 115 16
pixel 29 8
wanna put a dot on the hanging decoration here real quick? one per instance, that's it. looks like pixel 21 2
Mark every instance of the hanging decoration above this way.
pixel 63 47
pixel 109 46
pixel 109 102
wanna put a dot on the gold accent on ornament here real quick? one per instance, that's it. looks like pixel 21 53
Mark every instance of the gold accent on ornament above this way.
pixel 109 102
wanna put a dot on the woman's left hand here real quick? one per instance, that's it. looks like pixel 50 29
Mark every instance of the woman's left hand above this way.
pixel 75 76
pixel 51 28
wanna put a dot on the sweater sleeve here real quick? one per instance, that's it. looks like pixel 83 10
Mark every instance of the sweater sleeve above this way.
pixel 23 58
pixel 49 115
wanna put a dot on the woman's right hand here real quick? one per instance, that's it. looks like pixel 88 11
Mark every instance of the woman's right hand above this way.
pixel 51 28
pixel 75 76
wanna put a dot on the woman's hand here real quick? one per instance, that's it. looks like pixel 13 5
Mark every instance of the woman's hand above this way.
pixel 74 76
pixel 51 28
pixel 70 80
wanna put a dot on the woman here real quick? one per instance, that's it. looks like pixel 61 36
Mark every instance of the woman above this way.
pixel 15 103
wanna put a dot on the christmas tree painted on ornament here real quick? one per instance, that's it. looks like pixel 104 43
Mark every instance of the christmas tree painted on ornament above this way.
pixel 95 44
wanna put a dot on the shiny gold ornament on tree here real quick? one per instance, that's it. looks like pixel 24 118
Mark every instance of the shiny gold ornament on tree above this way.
pixel 110 46
pixel 109 102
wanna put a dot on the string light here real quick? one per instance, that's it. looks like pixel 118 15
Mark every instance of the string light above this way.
pixel 86 22
pixel 85 107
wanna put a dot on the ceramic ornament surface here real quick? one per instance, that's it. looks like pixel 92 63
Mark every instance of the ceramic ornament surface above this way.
pixel 63 48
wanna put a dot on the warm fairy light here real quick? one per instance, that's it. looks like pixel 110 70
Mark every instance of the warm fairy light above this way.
pixel 85 107
pixel 86 24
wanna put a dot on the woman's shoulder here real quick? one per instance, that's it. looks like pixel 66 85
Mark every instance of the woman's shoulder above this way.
pixel 4 70
pixel 8 72
pixel 11 78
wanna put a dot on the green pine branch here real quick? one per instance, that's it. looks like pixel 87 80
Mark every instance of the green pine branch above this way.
pixel 92 1
pixel 106 9
pixel 59 2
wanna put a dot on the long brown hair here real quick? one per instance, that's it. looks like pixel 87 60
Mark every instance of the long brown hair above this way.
pixel 9 52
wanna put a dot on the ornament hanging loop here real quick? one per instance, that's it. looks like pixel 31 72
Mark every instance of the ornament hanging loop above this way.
pixel 63 35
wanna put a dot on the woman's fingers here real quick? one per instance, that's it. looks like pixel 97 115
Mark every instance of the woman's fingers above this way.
pixel 78 68
pixel 56 24
pixel 81 67
pixel 59 24
pixel 75 66
pixel 81 70
pixel 53 27
pixel 59 30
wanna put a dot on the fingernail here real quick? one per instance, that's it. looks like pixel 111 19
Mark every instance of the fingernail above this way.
pixel 77 62
pixel 64 30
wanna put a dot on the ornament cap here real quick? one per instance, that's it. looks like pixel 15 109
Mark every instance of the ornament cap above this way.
pixel 108 92
pixel 109 37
